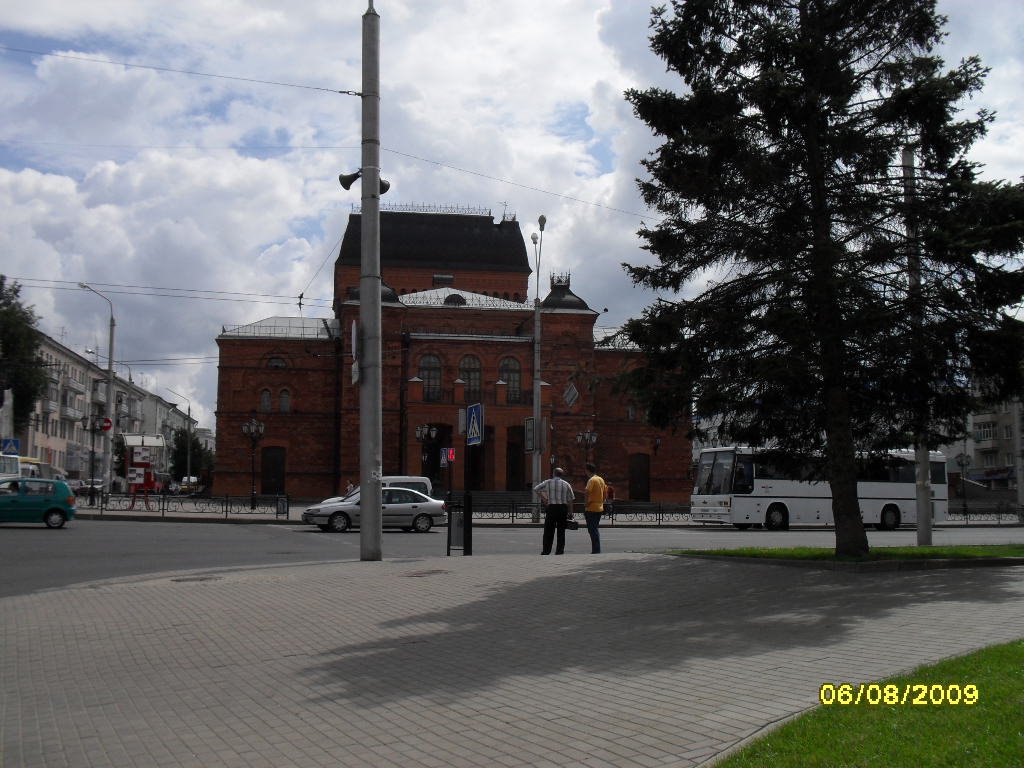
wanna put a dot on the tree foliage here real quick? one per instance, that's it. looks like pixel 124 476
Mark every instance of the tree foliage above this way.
pixel 785 202
pixel 21 368
pixel 201 458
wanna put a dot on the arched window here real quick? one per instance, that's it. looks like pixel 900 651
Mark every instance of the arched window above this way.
pixel 430 372
pixel 509 372
pixel 276 362
pixel 469 372
pixel 285 401
pixel 265 401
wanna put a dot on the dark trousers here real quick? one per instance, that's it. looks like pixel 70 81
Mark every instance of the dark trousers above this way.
pixel 593 520
pixel 554 521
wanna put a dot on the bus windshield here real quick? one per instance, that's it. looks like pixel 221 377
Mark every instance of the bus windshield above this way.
pixel 714 472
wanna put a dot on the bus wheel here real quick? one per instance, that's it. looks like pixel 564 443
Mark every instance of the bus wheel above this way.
pixel 889 520
pixel 742 526
pixel 776 518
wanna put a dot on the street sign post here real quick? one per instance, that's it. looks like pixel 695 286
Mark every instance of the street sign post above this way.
pixel 475 424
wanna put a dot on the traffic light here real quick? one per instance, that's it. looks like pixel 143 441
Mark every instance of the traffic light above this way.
pixel 451 455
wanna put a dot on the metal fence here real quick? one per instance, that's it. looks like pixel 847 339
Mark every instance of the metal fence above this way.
pixel 1001 513
pixel 517 508
pixel 167 504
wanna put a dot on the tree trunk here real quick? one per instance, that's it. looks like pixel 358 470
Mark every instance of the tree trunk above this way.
pixel 851 539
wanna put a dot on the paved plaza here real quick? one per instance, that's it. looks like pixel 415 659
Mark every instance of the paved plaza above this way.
pixel 611 660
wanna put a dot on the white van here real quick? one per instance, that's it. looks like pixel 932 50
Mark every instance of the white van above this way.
pixel 421 484
pixel 413 482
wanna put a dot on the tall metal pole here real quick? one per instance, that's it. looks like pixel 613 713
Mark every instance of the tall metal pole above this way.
pixel 107 434
pixel 921 455
pixel 370 395
pixel 188 435
pixel 538 432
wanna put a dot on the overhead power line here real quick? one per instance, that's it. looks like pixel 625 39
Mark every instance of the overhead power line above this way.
pixel 156 68
pixel 168 292
pixel 153 67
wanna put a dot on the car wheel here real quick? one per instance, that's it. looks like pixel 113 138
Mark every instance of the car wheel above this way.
pixel 339 522
pixel 54 519
pixel 742 526
pixel 776 518
pixel 422 523
pixel 889 520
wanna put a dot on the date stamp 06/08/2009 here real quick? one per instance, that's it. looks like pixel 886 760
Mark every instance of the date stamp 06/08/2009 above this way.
pixel 917 694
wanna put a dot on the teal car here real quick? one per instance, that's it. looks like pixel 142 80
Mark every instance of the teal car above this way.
pixel 35 500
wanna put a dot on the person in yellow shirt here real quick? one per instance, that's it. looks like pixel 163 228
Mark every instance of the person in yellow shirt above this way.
pixel 592 511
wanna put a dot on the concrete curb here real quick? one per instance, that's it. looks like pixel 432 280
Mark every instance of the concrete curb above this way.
pixel 867 567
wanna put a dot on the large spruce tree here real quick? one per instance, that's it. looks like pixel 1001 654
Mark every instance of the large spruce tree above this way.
pixel 787 231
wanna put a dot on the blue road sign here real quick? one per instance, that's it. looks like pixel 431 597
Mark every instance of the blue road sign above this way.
pixel 475 424
pixel 11 445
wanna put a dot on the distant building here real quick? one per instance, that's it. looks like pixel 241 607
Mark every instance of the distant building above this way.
pixel 457 327
pixel 76 395
pixel 995 450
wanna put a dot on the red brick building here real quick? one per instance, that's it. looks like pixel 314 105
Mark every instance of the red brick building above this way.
pixel 457 329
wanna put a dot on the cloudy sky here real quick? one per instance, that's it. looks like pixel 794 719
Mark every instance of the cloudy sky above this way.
pixel 195 202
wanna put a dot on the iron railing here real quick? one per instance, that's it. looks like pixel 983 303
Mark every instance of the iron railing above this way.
pixel 276 505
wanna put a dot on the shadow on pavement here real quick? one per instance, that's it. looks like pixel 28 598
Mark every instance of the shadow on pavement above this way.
pixel 636 616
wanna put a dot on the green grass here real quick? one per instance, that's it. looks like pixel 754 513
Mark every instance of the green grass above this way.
pixel 876 553
pixel 989 733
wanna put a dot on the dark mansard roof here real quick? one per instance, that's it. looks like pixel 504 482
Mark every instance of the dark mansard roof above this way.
pixel 441 240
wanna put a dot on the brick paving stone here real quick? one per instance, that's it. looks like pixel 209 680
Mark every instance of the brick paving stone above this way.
pixel 623 660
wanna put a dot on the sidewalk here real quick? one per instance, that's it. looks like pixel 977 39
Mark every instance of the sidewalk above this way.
pixel 617 660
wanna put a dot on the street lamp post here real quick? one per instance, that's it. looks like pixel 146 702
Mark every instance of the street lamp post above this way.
pixel 253 429
pixel 427 434
pixel 89 424
pixel 107 436
pixel 188 433
pixel 538 432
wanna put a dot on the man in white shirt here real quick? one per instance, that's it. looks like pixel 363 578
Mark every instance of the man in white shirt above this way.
pixel 557 494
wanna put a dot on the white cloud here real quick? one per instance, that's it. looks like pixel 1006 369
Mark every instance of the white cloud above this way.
pixel 133 177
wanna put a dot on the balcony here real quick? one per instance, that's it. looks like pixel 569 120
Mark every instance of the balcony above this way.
pixel 70 412
pixel 46 405
pixel 99 393
pixel 74 385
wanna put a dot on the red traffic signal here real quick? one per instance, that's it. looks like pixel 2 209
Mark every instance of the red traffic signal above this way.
pixel 451 455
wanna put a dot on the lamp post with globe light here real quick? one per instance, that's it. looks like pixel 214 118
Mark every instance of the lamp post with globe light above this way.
pixel 538 432
pixel 253 429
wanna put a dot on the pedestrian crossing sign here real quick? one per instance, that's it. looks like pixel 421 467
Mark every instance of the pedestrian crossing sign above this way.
pixel 475 424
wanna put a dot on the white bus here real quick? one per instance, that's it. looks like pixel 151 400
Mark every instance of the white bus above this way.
pixel 734 486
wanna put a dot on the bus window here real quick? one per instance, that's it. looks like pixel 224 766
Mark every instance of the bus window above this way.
pixel 938 472
pixel 721 473
pixel 9 466
pixel 901 471
pixel 743 479
pixel 764 470
pixel 703 484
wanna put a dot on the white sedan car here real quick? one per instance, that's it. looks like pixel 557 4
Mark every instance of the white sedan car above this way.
pixel 400 508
